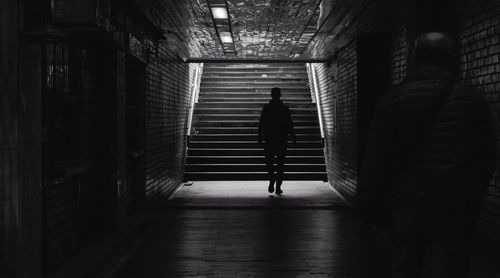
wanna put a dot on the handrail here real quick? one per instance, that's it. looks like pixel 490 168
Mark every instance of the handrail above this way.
pixel 318 104
pixel 194 97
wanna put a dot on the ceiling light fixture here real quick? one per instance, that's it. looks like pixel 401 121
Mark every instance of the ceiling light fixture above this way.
pixel 220 13
pixel 219 10
pixel 226 39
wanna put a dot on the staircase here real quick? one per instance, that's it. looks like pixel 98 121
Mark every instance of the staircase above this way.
pixel 223 142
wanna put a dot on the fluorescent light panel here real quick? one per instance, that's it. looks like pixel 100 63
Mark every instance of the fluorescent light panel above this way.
pixel 219 13
pixel 226 38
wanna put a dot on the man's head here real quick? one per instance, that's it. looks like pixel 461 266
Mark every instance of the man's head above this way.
pixel 435 49
pixel 276 93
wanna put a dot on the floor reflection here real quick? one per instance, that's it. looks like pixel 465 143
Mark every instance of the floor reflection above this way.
pixel 247 243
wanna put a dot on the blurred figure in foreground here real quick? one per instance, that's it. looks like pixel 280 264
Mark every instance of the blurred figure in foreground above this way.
pixel 430 155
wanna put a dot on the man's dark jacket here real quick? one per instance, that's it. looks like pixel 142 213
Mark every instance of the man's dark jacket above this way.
pixel 430 141
pixel 276 123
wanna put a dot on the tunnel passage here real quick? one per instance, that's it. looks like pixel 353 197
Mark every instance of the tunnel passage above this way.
pixel 95 97
pixel 223 140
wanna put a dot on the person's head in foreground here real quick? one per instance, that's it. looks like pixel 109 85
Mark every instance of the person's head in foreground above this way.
pixel 435 49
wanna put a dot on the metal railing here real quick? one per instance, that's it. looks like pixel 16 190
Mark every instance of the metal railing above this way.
pixel 195 91
pixel 316 99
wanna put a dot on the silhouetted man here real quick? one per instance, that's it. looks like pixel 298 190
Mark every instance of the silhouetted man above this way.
pixel 274 127
pixel 430 155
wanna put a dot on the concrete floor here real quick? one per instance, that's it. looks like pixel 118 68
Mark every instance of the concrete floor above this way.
pixel 223 229
pixel 254 194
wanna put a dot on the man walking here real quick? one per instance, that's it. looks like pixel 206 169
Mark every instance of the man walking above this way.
pixel 430 155
pixel 274 127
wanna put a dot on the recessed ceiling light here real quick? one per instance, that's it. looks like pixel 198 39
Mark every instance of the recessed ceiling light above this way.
pixel 226 39
pixel 219 13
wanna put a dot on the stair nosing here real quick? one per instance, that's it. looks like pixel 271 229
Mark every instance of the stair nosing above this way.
pixel 253 172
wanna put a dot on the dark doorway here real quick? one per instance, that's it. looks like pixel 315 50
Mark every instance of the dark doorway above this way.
pixel 78 91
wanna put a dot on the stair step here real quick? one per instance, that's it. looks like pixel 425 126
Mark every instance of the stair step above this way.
pixel 250 99
pixel 289 83
pixel 275 79
pixel 290 101
pixel 247 111
pixel 254 69
pixel 239 123
pixel 254 74
pixel 252 92
pixel 249 117
pixel 253 89
pixel 246 144
pixel 252 160
pixel 251 152
pixel 213 176
pixel 248 104
pixel 253 97
pixel 246 130
pixel 246 137
pixel 210 69
pixel 233 66
pixel 252 167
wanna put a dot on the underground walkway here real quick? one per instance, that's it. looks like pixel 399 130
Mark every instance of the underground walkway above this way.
pixel 108 107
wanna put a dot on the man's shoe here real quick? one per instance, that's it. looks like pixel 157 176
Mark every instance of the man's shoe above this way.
pixel 271 187
pixel 278 191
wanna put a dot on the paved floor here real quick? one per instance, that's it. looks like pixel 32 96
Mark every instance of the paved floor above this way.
pixel 254 194
pixel 241 239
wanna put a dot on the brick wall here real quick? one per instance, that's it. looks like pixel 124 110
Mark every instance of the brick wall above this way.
pixel 9 136
pixel 327 81
pixel 167 106
pixel 479 53
pixel 344 158
pixel 399 55
pixel 338 97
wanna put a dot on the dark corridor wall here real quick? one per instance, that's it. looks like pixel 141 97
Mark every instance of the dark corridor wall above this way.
pixel 477 32
pixel 85 207
pixel 338 97
pixel 475 25
pixel 106 114
pixel 167 107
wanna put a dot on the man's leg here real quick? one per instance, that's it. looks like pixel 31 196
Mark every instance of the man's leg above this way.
pixel 280 168
pixel 269 157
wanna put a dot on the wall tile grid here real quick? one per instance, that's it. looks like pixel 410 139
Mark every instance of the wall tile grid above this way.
pixel 345 150
pixel 338 97
pixel 167 107
pixel 326 77
pixel 399 55
pixel 479 54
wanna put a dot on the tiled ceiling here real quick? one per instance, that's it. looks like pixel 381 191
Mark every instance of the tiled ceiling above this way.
pixel 261 29
pixel 267 28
